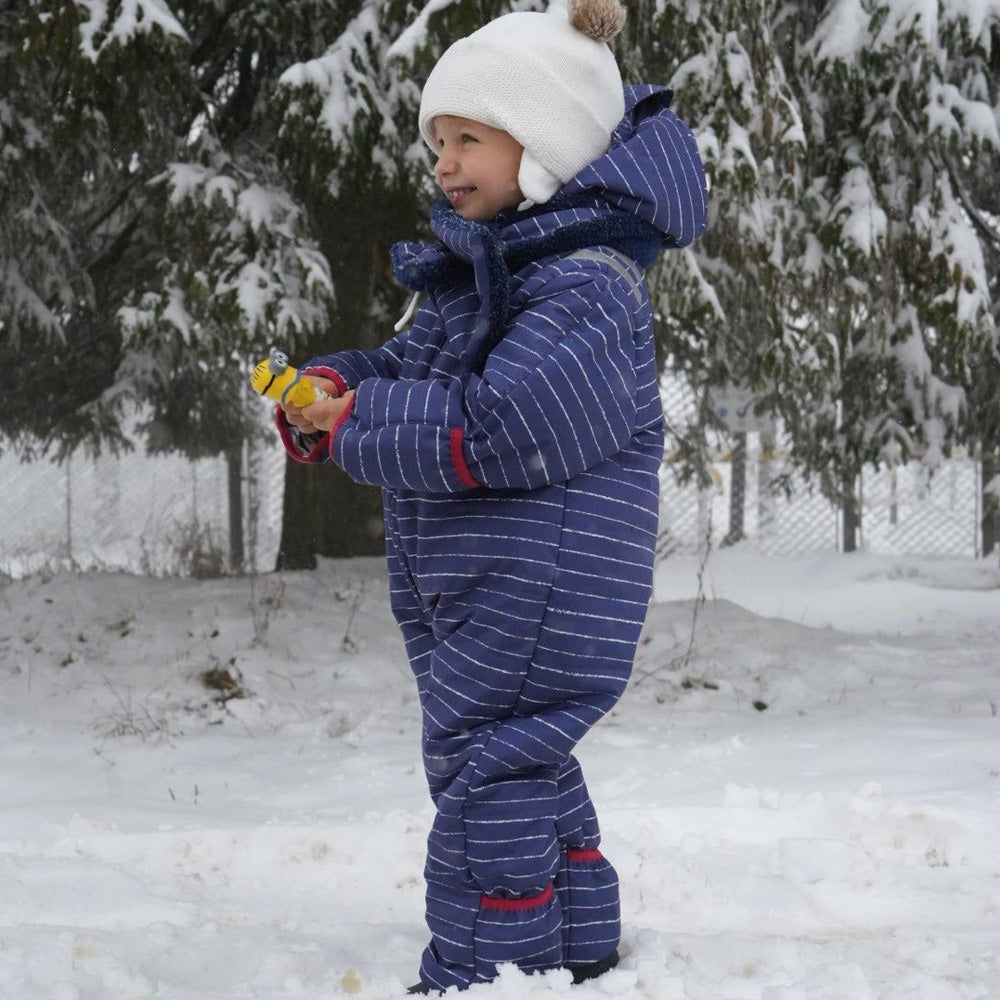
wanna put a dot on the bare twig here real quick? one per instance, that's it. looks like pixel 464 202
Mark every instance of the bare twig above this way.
pixel 699 597
pixel 125 719
pixel 263 609
pixel 679 662
pixel 347 644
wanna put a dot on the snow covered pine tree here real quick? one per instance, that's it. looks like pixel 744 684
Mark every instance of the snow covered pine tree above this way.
pixel 148 247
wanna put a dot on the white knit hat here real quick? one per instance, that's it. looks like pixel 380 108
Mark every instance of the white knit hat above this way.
pixel 549 80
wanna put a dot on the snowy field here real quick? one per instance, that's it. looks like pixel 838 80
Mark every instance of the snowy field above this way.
pixel 808 808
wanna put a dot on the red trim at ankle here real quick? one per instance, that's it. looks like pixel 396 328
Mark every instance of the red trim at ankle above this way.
pixel 583 854
pixel 528 903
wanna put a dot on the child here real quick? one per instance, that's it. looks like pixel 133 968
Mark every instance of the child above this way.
pixel 516 430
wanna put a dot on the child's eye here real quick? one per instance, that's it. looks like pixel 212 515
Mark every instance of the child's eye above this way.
pixel 471 138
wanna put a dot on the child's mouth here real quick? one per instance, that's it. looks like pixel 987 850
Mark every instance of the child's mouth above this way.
pixel 457 195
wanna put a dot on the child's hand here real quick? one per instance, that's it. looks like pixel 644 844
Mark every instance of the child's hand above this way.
pixel 321 415
pixel 326 412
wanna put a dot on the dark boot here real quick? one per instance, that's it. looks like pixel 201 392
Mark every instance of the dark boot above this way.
pixel 422 989
pixel 581 973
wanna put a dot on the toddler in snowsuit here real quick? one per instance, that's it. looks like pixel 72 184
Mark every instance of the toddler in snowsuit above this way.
pixel 516 431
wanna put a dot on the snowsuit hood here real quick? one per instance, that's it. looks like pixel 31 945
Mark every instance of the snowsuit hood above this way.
pixel 646 193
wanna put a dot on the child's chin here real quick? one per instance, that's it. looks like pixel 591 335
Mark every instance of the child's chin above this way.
pixel 475 212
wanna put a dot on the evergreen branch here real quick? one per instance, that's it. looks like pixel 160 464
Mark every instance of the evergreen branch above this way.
pixel 117 202
pixel 113 252
pixel 984 229
pixel 201 51
pixel 941 161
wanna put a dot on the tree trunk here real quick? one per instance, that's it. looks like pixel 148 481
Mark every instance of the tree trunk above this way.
pixel 990 523
pixel 851 514
pixel 326 513
pixel 234 467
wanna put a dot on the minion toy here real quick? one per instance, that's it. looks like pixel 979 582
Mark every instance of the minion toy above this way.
pixel 276 379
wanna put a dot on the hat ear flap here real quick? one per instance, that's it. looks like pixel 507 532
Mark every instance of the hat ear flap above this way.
pixel 537 183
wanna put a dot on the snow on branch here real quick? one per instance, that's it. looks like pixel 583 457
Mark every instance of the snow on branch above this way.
pixel 980 17
pixel 936 405
pixel 346 78
pixel 863 222
pixel 904 16
pixel 842 34
pixel 133 17
pixel 954 238
pixel 415 35
pixel 954 115
pixel 22 302
pixel 192 181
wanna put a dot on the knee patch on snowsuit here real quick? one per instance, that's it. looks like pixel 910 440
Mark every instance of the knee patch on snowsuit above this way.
pixel 510 833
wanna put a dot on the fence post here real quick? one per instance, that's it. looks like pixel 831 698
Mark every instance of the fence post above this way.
pixel 766 507
pixel 737 489
pixel 69 510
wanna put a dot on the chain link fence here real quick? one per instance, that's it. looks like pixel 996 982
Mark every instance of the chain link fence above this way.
pixel 168 515
pixel 905 510
pixel 138 513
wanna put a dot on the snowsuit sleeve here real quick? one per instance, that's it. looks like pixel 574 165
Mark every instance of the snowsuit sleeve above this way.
pixel 345 369
pixel 557 396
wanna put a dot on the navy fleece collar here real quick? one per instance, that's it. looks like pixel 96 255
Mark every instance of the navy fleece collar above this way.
pixel 495 250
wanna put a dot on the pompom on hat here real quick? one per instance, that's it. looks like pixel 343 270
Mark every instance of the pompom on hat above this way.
pixel 550 80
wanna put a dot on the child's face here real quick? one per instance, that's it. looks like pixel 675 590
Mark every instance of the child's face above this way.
pixel 477 167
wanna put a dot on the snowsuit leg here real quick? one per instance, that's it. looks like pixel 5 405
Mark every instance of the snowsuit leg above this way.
pixel 573 920
pixel 586 883
pixel 513 871
pixel 492 851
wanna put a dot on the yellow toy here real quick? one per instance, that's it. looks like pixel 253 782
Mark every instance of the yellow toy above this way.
pixel 276 379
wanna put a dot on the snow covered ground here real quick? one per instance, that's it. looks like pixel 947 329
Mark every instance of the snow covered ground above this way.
pixel 806 807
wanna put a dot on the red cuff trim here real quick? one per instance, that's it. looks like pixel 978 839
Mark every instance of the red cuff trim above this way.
pixel 340 423
pixel 285 433
pixel 334 376
pixel 583 854
pixel 530 902
pixel 458 460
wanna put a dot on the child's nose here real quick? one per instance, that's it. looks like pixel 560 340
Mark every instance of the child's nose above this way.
pixel 445 165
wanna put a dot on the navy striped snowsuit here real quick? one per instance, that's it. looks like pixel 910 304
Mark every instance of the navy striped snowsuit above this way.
pixel 516 430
